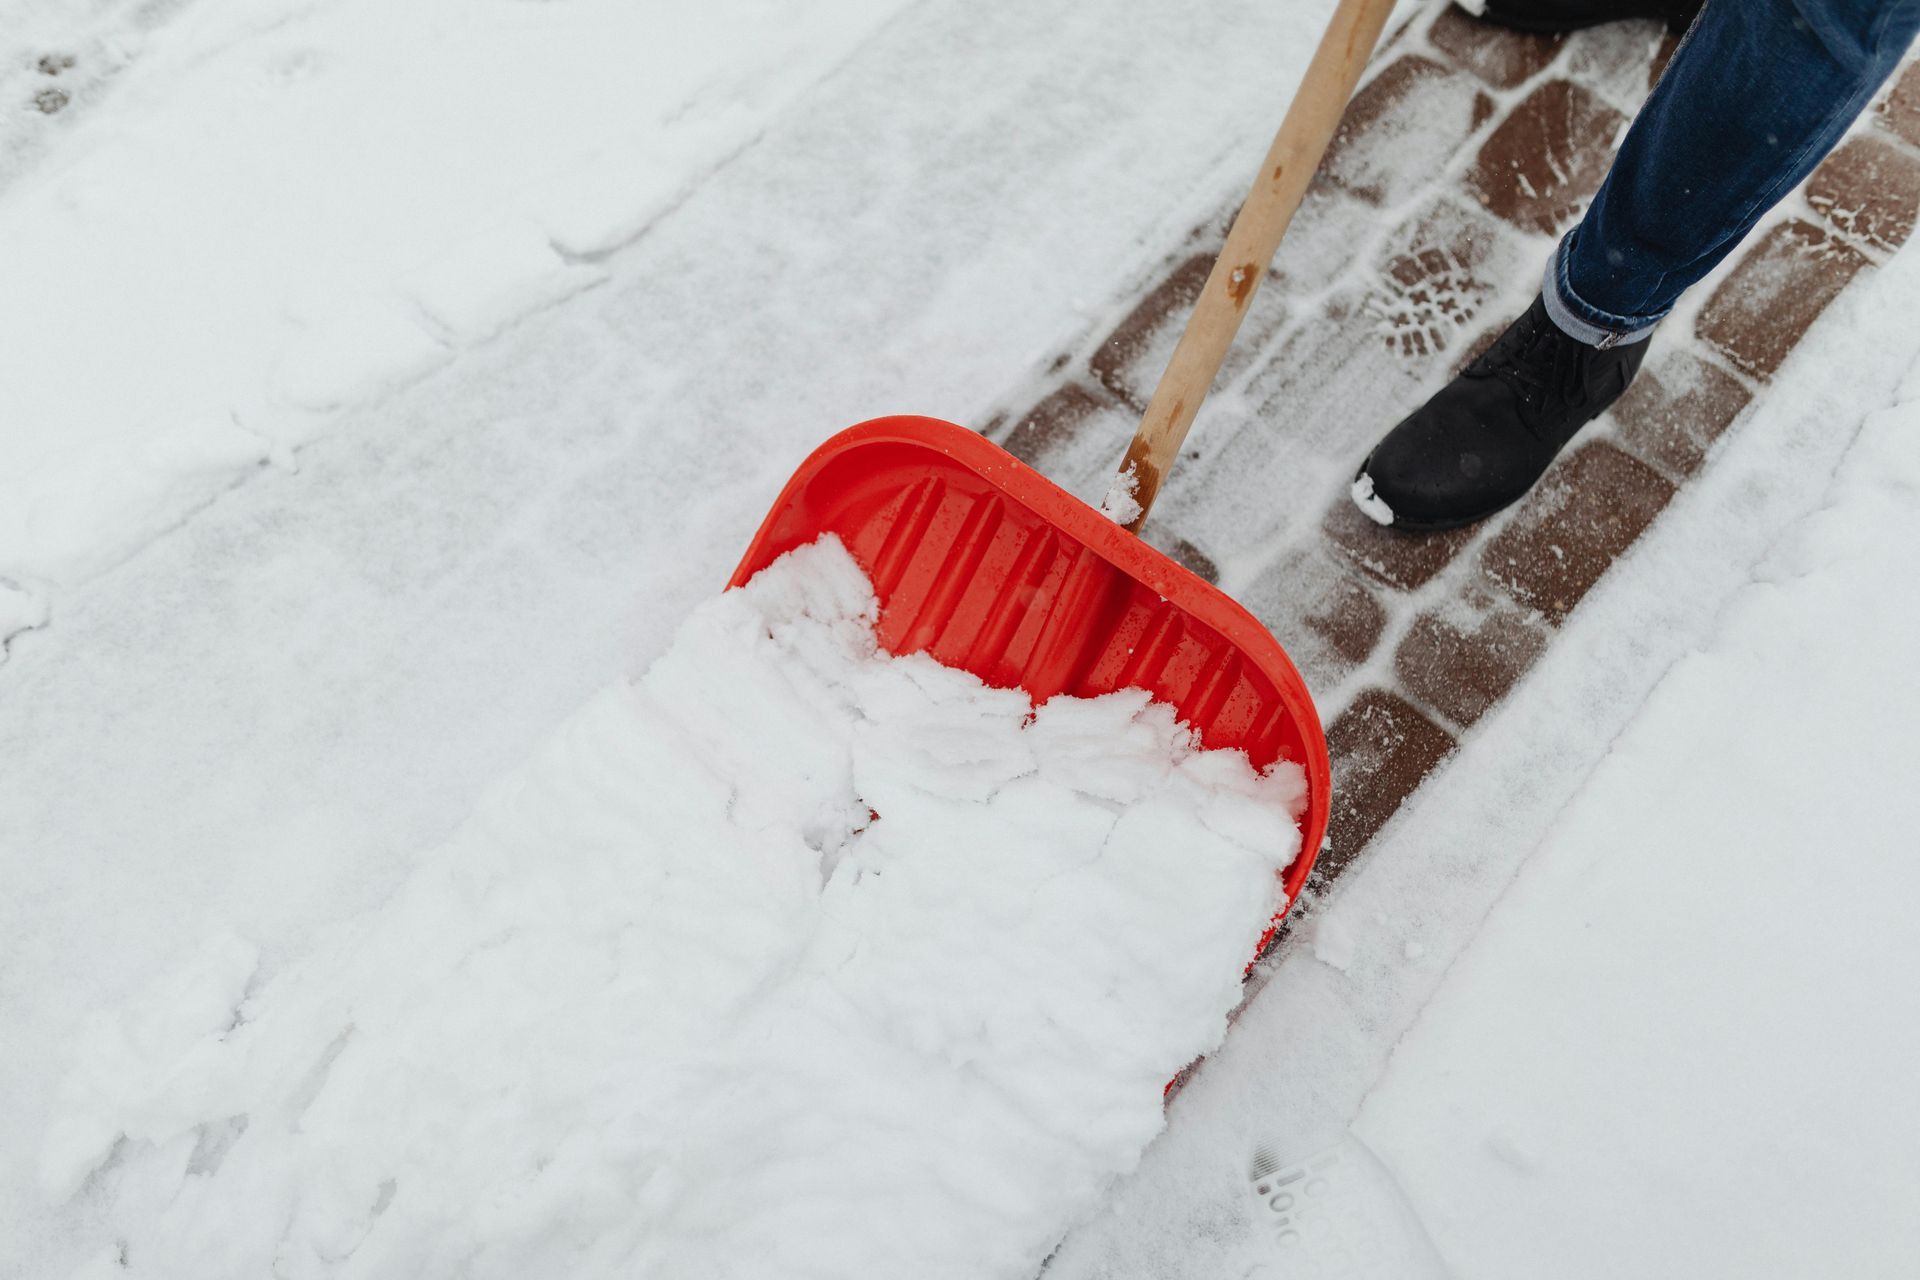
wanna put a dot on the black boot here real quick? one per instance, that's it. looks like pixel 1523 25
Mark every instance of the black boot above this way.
pixel 1486 436
pixel 1574 15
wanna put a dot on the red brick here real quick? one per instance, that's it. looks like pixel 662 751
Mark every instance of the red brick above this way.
pixel 1869 190
pixel 1403 129
pixel 1541 164
pixel 1050 426
pixel 1900 110
pixel 1161 312
pixel 1760 311
pixel 1326 620
pixel 1575 523
pixel 1405 560
pixel 1676 408
pixel 1382 749
pixel 1182 552
pixel 1442 271
pixel 1463 657
pixel 1500 56
pixel 1129 363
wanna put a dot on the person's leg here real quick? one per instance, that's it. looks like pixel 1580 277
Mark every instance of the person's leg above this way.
pixel 1753 99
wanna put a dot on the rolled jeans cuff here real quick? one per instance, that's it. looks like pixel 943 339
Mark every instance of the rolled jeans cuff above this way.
pixel 1579 319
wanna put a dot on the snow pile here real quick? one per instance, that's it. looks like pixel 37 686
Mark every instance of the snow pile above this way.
pixel 790 959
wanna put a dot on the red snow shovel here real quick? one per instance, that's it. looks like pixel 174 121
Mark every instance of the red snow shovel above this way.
pixel 987 565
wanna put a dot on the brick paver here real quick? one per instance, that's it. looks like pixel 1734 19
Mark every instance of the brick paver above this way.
pixel 1779 288
pixel 1543 161
pixel 1900 111
pixel 1463 657
pixel 1401 129
pixel 1502 58
pixel 1573 525
pixel 1421 239
pixel 1677 407
pixel 1869 190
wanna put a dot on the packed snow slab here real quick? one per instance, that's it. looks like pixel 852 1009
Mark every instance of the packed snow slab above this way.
pixel 792 958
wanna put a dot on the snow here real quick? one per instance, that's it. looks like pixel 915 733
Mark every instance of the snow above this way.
pixel 1121 505
pixel 258 722
pixel 261 212
pixel 422 392
pixel 1712 1008
pixel 792 958
pixel 1671 1048
pixel 1369 502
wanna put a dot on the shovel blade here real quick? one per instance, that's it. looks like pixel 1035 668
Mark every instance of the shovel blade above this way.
pixel 985 564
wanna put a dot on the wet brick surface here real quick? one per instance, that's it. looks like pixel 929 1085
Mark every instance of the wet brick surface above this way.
pixel 1382 750
pixel 1462 659
pixel 1868 189
pixel 1502 58
pixel 1781 285
pixel 1676 408
pixel 1542 162
pixel 1572 526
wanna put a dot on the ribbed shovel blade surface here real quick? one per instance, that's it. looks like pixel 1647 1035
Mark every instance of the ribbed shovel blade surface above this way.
pixel 985 564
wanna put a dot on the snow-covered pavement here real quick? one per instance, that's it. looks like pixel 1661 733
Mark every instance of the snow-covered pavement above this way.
pixel 258 719
pixel 1559 999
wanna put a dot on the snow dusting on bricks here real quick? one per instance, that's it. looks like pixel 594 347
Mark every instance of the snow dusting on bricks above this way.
pixel 1463 656
pixel 1400 130
pixel 1382 749
pixel 1779 287
pixel 1492 140
pixel 1503 58
pixel 1676 408
pixel 1900 110
pixel 1543 161
pixel 706 989
pixel 1868 189
pixel 1571 527
pixel 1394 558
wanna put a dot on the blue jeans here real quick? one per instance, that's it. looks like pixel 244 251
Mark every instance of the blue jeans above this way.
pixel 1758 93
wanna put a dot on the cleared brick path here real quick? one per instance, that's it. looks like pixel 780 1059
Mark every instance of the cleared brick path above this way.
pixel 1466 153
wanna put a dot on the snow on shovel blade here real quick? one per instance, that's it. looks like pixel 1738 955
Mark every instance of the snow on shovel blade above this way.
pixel 988 566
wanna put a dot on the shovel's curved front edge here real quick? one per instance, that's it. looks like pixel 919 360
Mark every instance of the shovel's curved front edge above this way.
pixel 987 565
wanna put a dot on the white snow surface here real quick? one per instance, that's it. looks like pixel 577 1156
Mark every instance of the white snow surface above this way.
pixel 1671 1049
pixel 458 524
pixel 678 1003
pixel 276 209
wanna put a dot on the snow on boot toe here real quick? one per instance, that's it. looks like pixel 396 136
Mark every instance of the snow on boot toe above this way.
pixel 1483 439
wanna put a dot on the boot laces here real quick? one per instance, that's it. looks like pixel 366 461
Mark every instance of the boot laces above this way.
pixel 1550 373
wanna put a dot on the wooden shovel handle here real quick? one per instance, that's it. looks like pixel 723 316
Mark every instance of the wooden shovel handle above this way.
pixel 1243 261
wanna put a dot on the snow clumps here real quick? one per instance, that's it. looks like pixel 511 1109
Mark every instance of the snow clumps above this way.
pixel 792 959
